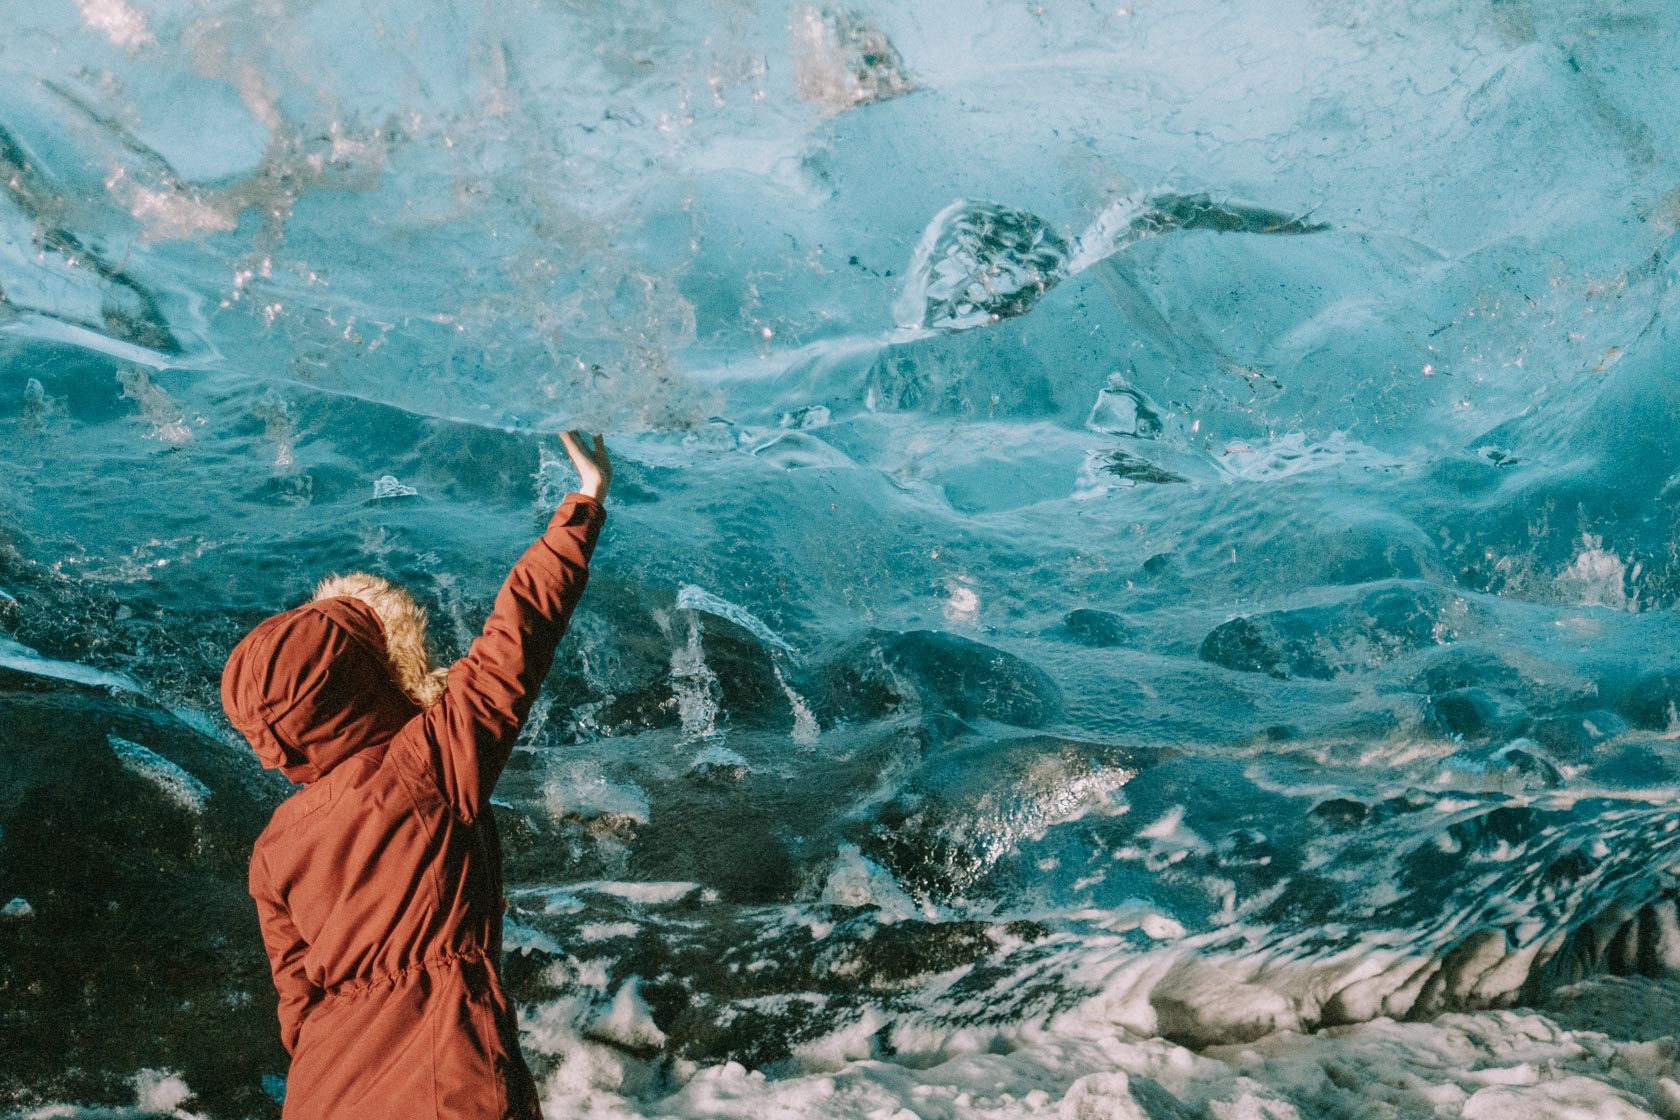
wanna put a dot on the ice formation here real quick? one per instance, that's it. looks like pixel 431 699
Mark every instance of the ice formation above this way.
pixel 1142 572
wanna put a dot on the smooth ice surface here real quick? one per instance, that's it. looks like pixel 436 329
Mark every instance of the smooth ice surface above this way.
pixel 1142 571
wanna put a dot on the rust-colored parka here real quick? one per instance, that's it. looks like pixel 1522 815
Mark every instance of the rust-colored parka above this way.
pixel 379 885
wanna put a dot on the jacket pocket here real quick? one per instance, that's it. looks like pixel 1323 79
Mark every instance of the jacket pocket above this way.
pixel 466 1046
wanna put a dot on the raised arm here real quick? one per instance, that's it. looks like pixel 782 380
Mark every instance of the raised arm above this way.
pixel 467 736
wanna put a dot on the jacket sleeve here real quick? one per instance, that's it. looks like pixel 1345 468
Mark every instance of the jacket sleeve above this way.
pixel 467 736
pixel 286 948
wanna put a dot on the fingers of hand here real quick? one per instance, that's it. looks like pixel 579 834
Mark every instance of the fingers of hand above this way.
pixel 589 456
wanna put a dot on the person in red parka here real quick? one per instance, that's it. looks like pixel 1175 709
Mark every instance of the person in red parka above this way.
pixel 379 884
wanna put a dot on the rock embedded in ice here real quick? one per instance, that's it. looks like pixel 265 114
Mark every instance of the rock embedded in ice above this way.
pixel 979 804
pixel 1478 713
pixel 106 854
pixel 947 672
pixel 841 60
pixel 725 666
pixel 1653 701
pixel 714 657
pixel 900 951
pixel 1341 812
pixel 1466 666
pixel 1525 760
pixel 1510 768
pixel 1576 735
pixel 1324 642
pixel 1097 628
pixel 1254 645
pixel 978 262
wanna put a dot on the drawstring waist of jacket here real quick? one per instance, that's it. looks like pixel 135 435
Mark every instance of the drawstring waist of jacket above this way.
pixel 360 985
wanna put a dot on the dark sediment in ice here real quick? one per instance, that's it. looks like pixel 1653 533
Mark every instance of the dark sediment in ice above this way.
pixel 126 834
pixel 1325 642
pixel 942 672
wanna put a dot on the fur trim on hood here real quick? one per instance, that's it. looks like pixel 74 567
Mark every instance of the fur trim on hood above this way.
pixel 404 622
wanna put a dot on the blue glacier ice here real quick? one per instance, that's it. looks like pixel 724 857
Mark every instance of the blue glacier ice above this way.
pixel 1141 582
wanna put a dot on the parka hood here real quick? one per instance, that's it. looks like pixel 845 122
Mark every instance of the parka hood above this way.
pixel 338 675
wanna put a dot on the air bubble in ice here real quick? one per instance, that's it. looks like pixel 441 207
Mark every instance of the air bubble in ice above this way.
pixel 718 764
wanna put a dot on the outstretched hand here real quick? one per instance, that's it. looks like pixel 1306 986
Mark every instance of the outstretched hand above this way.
pixel 594 465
